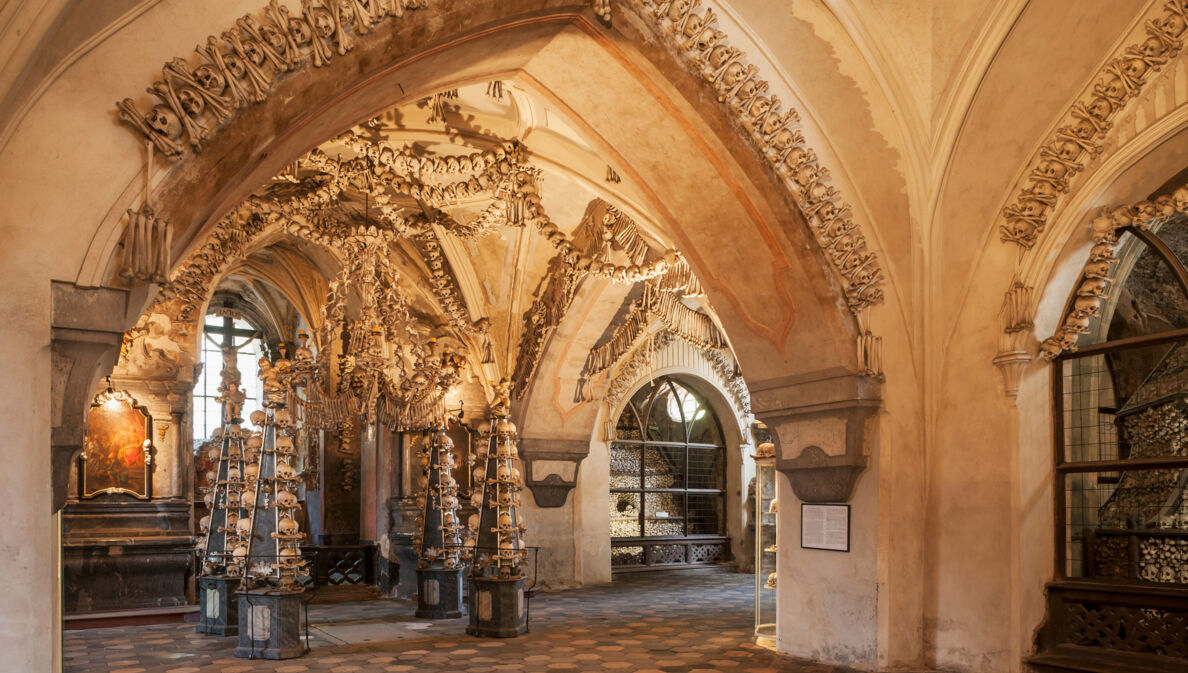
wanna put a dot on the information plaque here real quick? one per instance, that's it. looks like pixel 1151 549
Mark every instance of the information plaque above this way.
pixel 825 527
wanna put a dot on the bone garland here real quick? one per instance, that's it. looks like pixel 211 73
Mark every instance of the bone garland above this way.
pixel 633 367
pixel 547 310
pixel 445 288
pixel 724 365
pixel 696 328
pixel 239 67
pixel 504 176
pixel 1088 121
pixel 740 88
pixel 600 226
pixel 188 286
pixel 1094 280
pixel 404 160
pixel 680 280
pixel 147 244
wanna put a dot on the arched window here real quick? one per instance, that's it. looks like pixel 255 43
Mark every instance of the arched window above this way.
pixel 667 481
pixel 1121 451
pixel 220 332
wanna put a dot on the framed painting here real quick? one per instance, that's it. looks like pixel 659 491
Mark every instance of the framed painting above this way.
pixel 117 449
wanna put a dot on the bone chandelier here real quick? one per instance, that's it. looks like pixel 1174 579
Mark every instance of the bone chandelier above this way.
pixel 360 197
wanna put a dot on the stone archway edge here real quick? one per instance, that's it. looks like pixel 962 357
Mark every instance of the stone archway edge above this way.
pixel 237 69
pixel 1093 282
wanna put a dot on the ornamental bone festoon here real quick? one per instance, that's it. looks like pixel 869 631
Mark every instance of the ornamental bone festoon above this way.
pixel 496 603
pixel 439 535
pixel 219 572
pixel 270 595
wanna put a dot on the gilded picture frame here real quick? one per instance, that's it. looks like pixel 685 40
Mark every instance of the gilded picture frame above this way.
pixel 117 455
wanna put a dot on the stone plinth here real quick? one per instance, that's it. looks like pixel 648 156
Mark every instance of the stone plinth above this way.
pixel 270 625
pixel 497 607
pixel 439 593
pixel 218 612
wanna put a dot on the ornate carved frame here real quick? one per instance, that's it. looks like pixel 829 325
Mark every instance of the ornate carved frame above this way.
pixel 123 397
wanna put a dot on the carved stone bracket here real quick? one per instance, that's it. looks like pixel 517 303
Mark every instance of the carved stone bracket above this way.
pixel 822 426
pixel 1012 364
pixel 88 328
pixel 551 468
pixel 819 477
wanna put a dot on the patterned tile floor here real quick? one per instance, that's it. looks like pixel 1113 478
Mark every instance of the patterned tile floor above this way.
pixel 643 624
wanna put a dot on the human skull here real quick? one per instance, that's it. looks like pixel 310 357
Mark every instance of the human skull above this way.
pixel 250 472
pixel 678 9
pixel 287 526
pixel 209 78
pixel 285 471
pixel 1097 269
pixel 1100 108
pixel 243 526
pixel 257 418
pixel 204 523
pixel 191 101
pixel 240 551
pixel 300 31
pixel 1087 306
pixel 253 51
pixel 234 65
pixel 162 120
pixel 323 22
pixel 1093 287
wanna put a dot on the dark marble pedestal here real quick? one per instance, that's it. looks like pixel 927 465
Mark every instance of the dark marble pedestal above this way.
pixel 439 593
pixel 218 612
pixel 497 607
pixel 270 625
pixel 146 544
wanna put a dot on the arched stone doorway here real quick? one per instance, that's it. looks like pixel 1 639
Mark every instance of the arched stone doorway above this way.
pixel 770 245
pixel 668 469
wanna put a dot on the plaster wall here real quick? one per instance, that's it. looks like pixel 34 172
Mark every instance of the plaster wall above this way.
pixel 591 517
pixel 839 625
pixel 29 541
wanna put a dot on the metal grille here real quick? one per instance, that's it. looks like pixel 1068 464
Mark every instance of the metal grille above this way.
pixel 705 514
pixel 666 493
pixel 705 467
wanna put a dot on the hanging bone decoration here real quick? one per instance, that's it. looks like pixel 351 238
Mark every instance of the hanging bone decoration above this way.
pixel 683 322
pixel 317 199
pixel 194 99
pixel 147 243
pixel 387 370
